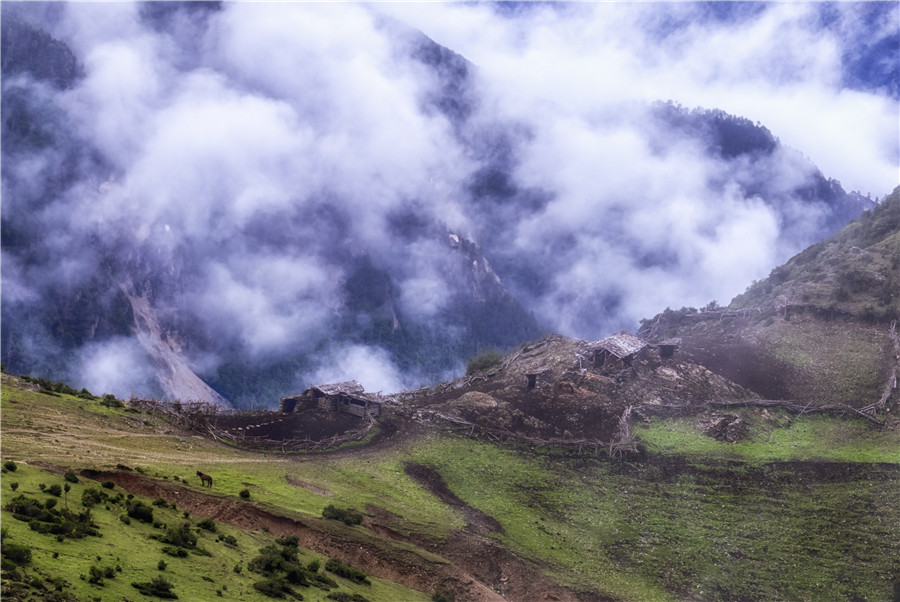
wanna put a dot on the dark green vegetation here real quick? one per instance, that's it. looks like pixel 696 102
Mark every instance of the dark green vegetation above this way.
pixel 483 362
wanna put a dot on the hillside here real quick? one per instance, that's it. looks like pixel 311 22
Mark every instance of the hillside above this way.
pixel 479 489
pixel 817 329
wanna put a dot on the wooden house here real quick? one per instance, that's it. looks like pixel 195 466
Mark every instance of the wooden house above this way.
pixel 347 397
pixel 617 351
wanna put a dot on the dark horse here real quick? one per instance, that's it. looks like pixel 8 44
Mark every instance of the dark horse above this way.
pixel 205 478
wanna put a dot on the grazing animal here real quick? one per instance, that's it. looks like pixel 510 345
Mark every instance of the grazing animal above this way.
pixel 205 479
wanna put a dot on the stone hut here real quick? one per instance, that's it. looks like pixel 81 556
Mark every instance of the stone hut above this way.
pixel 618 351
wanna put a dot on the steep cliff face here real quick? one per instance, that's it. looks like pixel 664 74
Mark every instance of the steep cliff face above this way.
pixel 176 378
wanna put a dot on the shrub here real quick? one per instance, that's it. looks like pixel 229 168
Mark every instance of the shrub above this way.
pixel 92 496
pixel 297 575
pixel 345 597
pixel 268 561
pixel 95 575
pixel 182 536
pixel 10 466
pixel 125 519
pixel 108 485
pixel 16 553
pixel 109 400
pixel 71 477
pixel 161 565
pixel 483 362
pixel 50 503
pixel 175 551
pixel 55 489
pixel 245 493
pixel 158 586
pixel 208 524
pixel 345 515
pixel 228 539
pixel 346 571
pixel 139 510
pixel 291 541
pixel 274 587
pixel 123 467
pixel 160 502
pixel 314 566
pixel 14 485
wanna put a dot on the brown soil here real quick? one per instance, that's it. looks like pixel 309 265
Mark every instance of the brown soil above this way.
pixel 314 424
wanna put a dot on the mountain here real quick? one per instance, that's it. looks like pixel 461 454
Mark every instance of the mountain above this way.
pixel 394 223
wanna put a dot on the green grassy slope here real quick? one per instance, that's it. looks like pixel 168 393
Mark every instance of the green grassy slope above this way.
pixel 696 519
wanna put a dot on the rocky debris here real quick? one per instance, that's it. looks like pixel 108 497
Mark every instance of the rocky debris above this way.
pixel 728 427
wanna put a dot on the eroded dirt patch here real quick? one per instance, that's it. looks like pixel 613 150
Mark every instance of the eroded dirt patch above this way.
pixel 477 521
pixel 307 485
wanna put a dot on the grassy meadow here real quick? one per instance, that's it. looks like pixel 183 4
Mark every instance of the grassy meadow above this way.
pixel 805 509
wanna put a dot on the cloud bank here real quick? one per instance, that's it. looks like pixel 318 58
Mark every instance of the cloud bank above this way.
pixel 277 178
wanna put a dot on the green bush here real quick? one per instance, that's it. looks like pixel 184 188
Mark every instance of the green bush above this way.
pixel 442 596
pixel 55 489
pixel 484 362
pixel 109 400
pixel 14 485
pixel 92 496
pixel 207 524
pixel 161 565
pixel 345 515
pixel 139 510
pixel 50 503
pixel 71 477
pixel 345 597
pixel 108 485
pixel 274 587
pixel 158 586
pixel 16 553
pixel 95 575
pixel 175 551
pixel 10 466
pixel 291 541
pixel 183 536
pixel 160 502
pixel 346 571
pixel 245 493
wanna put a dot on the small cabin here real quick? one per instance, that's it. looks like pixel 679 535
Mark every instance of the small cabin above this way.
pixel 349 397
pixel 618 351
pixel 668 347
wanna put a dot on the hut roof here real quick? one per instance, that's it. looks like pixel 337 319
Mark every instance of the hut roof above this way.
pixel 621 345
pixel 349 388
